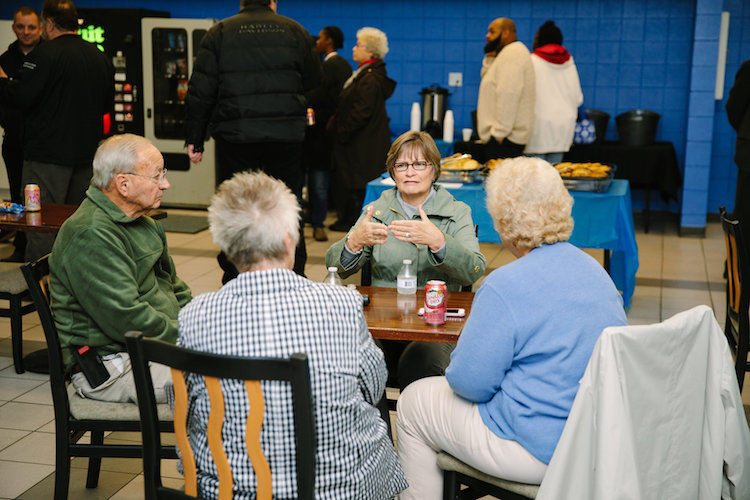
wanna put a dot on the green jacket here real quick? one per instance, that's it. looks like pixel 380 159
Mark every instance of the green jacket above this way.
pixel 111 274
pixel 463 263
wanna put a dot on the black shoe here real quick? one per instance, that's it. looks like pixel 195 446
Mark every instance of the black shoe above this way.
pixel 6 235
pixel 14 257
pixel 340 226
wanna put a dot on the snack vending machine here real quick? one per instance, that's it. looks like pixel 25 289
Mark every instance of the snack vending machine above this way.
pixel 169 50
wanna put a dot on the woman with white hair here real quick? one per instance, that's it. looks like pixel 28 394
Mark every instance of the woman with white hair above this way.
pixel 360 126
pixel 269 311
pixel 512 378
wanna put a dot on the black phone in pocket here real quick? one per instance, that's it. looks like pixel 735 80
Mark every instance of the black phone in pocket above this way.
pixel 91 365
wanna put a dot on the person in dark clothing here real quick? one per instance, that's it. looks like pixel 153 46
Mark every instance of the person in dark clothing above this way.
pixel 738 113
pixel 361 134
pixel 28 35
pixel 318 141
pixel 64 89
pixel 247 90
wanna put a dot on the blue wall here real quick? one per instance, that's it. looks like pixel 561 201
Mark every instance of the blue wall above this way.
pixel 633 54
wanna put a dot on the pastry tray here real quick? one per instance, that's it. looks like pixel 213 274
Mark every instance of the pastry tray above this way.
pixel 594 184
pixel 465 176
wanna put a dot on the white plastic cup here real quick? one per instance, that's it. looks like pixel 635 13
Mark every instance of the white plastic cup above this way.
pixel 466 134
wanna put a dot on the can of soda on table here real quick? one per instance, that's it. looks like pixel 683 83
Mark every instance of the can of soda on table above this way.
pixel 435 302
pixel 32 198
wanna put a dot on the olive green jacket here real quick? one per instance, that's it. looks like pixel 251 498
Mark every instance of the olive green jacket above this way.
pixel 111 274
pixel 463 263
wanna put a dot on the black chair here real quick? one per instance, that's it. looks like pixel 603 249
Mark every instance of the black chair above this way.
pixel 74 415
pixel 737 323
pixel 214 367
pixel 13 289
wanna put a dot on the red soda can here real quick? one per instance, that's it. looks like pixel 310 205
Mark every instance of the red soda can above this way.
pixel 32 198
pixel 435 302
pixel 310 117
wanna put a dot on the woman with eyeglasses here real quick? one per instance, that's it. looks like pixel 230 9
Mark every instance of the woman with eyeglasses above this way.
pixel 360 126
pixel 417 220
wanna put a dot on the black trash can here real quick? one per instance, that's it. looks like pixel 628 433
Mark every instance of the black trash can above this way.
pixel 637 127
pixel 601 121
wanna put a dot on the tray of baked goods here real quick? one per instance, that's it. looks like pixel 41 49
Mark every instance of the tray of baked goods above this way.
pixel 586 176
pixel 460 168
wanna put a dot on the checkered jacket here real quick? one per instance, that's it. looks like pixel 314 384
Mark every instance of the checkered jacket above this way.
pixel 276 313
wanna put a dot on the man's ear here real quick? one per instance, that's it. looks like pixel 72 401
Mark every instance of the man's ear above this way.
pixel 121 184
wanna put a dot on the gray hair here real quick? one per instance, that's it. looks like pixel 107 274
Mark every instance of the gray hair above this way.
pixel 375 41
pixel 116 155
pixel 249 217
pixel 528 202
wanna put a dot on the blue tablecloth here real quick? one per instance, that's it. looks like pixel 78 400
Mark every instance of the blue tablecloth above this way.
pixel 602 220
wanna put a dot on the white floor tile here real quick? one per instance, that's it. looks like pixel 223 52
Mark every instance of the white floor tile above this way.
pixel 12 387
pixel 19 477
pixel 25 416
pixel 37 448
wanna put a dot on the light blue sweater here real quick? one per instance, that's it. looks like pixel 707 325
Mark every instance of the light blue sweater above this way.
pixel 528 339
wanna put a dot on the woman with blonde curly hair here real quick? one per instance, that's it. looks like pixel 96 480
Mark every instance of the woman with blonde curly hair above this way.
pixel 512 378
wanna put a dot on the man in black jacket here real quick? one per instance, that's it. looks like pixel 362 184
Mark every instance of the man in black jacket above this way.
pixel 318 141
pixel 738 113
pixel 28 35
pixel 65 88
pixel 247 90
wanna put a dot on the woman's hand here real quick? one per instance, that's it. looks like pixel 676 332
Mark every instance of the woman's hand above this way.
pixel 420 232
pixel 367 233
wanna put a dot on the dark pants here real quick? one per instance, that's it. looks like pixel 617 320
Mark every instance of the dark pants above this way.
pixel 410 361
pixel 13 158
pixel 282 160
pixel 742 200
pixel 57 184
pixel 506 149
pixel 349 206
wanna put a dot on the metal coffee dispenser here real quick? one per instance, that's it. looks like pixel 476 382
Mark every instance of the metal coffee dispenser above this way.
pixel 434 104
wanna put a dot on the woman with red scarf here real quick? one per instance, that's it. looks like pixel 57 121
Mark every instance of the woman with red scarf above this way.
pixel 360 126
pixel 558 96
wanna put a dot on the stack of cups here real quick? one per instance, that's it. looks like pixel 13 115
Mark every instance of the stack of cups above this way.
pixel 448 126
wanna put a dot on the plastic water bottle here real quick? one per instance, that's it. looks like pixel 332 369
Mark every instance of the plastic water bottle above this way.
pixel 406 282
pixel 332 278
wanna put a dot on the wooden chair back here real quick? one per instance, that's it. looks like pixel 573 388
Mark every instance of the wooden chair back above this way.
pixel 737 322
pixel 213 368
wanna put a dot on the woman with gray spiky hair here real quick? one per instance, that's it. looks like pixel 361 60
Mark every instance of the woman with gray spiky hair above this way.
pixel 269 311
pixel 360 126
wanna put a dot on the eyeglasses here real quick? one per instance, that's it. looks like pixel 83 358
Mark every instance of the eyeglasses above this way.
pixel 417 165
pixel 156 178
pixel 360 45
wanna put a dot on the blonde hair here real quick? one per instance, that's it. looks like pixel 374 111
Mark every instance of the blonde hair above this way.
pixel 528 202
pixel 414 141
pixel 249 217
pixel 375 41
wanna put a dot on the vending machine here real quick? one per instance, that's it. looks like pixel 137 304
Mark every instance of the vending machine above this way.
pixel 169 49
pixel 153 55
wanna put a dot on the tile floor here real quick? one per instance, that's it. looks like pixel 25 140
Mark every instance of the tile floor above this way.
pixel 675 274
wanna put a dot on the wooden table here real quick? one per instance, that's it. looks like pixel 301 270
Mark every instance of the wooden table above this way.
pixel 393 316
pixel 47 220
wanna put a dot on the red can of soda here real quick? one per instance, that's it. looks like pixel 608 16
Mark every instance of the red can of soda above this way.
pixel 435 302
pixel 32 197
pixel 310 117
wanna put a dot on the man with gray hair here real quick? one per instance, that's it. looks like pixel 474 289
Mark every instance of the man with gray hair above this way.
pixel 269 311
pixel 111 271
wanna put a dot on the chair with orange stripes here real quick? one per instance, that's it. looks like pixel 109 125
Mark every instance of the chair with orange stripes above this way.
pixel 214 367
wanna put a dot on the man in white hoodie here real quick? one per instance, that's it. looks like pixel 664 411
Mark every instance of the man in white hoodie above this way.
pixel 558 95
pixel 505 109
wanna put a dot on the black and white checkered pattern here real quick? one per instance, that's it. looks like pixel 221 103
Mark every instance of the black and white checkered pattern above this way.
pixel 277 313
